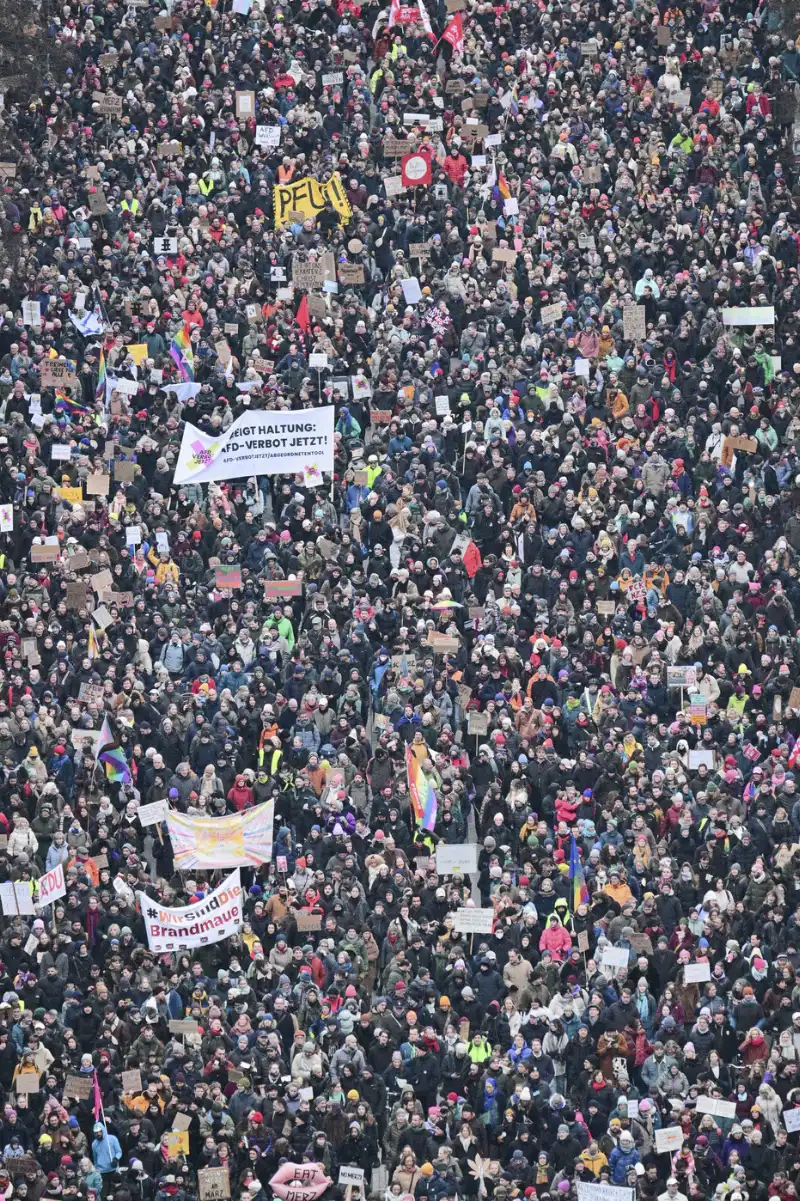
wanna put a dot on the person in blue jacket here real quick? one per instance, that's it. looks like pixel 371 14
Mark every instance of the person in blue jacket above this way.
pixel 106 1151
pixel 622 1158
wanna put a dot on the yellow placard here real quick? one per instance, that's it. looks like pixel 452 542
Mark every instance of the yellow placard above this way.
pixel 177 1143
pixel 73 496
pixel 309 197
pixel 138 352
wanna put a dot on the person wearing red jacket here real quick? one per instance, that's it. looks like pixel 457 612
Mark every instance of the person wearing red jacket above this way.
pixel 455 167
pixel 241 795
pixel 556 939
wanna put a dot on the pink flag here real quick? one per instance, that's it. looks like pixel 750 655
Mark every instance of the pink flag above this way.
pixel 98 1100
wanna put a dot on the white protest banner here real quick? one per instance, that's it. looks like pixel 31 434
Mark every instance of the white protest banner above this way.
pixel 669 1139
pixel 52 885
pixel 473 921
pixel 362 388
pixel 268 135
pixel 412 293
pixel 216 917
pixel 716 1107
pixel 6 518
pixel 765 315
pixel 615 957
pixel 349 1175
pixel 263 443
pixel 791 1119
pixel 697 973
pixel 701 757
pixel 157 811
pixel 8 902
pixel 128 387
pixel 604 1192
pixel 16 898
pixel 681 677
pixel 460 857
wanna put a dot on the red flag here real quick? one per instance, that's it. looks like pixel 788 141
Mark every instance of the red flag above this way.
pixel 302 315
pixel 415 170
pixel 454 34
pixel 472 560
pixel 98 1100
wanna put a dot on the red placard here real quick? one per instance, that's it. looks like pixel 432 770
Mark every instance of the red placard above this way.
pixel 415 169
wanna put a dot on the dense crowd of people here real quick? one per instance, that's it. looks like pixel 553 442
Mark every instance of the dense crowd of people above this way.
pixel 552 583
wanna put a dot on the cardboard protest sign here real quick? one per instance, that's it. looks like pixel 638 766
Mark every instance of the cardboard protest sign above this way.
pixel 308 921
pixel 183 1026
pixel 634 326
pixel 79 1087
pixel 351 273
pixel 477 723
pixel 213 1184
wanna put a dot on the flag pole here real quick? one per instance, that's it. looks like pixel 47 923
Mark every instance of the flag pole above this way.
pixel 100 1114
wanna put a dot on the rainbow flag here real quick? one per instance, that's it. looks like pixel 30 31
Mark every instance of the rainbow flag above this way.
pixel 513 105
pixel 422 792
pixel 181 351
pixel 93 649
pixel 580 893
pixel 100 390
pixel 112 756
pixel 69 404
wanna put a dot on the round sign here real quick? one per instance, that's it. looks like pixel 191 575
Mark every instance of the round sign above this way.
pixel 416 167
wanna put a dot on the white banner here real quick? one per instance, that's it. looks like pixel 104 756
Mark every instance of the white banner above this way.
pixel 604 1192
pixel 716 1107
pixel 217 916
pixel 791 1119
pixel 258 443
pixel 696 973
pixel 459 857
pixel 750 316
pixel 52 885
pixel 669 1139
pixel 156 811
pixel 473 921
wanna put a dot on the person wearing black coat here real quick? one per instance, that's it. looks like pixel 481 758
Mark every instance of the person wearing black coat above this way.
pixel 487 984
pixel 359 1149
pixel 564 1150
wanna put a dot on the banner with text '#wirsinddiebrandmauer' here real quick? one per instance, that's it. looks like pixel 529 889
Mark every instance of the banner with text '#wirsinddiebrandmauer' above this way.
pixel 259 443
pixel 216 917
